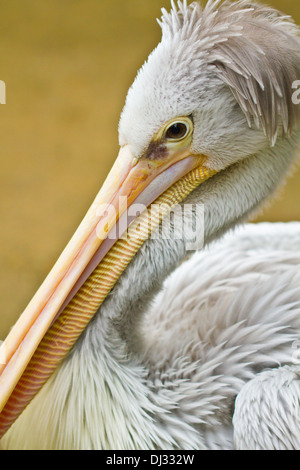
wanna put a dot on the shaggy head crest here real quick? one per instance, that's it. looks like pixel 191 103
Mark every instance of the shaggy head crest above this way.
pixel 259 60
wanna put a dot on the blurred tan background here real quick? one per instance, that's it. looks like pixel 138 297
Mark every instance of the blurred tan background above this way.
pixel 67 67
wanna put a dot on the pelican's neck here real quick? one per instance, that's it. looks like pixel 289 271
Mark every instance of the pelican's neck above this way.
pixel 240 191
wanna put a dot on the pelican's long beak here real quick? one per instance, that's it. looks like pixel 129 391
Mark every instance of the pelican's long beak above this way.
pixel 130 181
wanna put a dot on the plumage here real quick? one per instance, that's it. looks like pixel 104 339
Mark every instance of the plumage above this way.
pixel 230 41
pixel 198 350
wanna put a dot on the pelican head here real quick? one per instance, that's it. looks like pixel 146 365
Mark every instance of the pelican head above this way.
pixel 230 71
pixel 213 105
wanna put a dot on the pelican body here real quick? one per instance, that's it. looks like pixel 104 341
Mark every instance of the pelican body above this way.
pixel 142 342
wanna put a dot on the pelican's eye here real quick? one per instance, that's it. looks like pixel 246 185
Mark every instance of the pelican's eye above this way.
pixel 177 131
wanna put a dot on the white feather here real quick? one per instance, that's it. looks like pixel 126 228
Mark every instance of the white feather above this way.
pixel 200 349
pixel 181 335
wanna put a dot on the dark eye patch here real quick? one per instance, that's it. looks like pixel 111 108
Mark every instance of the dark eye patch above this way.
pixel 156 150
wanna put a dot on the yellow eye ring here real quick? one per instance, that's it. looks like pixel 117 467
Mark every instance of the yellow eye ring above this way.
pixel 178 130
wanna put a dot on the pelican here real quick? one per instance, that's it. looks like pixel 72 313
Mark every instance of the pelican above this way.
pixel 137 340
